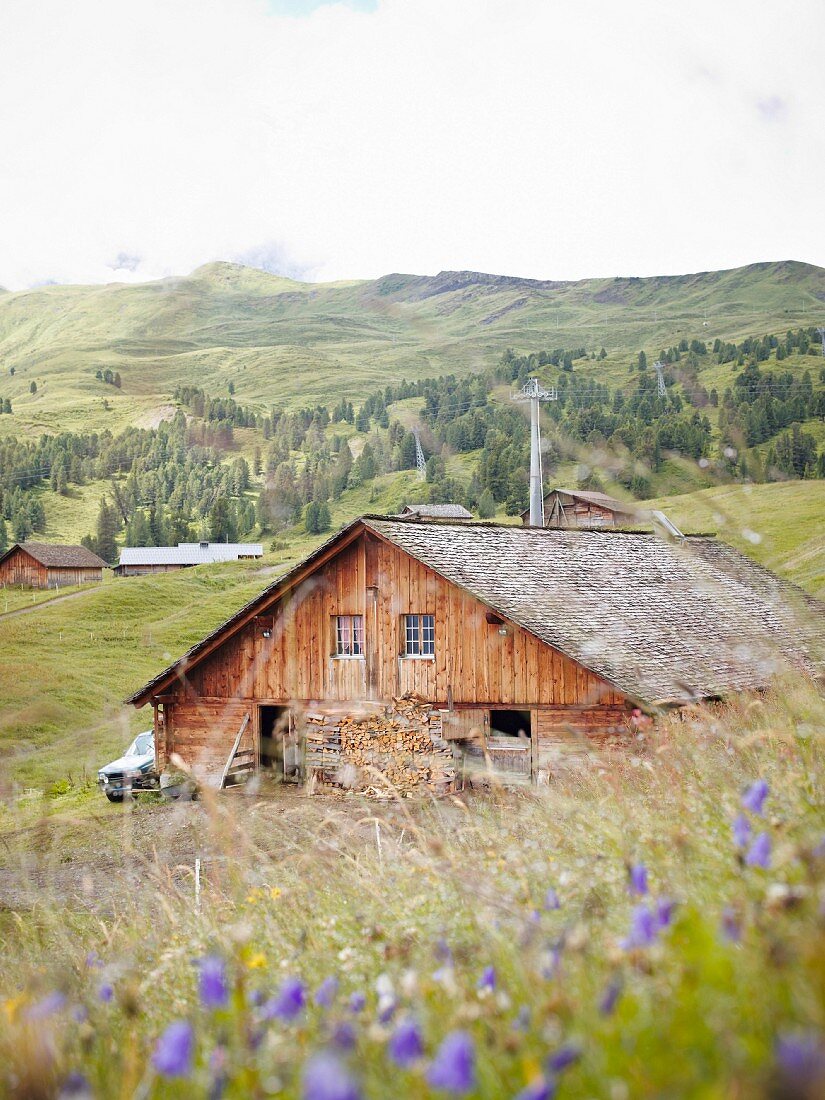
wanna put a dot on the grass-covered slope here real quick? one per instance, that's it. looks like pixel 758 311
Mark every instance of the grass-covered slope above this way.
pixel 781 525
pixel 297 343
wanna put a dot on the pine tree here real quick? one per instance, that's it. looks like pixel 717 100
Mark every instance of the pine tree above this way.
pixel 486 505
pixel 4 535
pixel 33 388
pixel 107 528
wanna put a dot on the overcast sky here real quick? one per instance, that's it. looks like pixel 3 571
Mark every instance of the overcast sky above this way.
pixel 547 138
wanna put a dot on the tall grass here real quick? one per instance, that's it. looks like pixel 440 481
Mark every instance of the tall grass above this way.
pixel 409 905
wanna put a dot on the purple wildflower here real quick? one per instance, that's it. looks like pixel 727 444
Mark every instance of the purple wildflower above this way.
pixel 563 1058
pixel 325 993
pixel 551 900
pixel 386 1009
pixel 212 984
pixel 50 1004
pixel 542 1089
pixel 453 1068
pixel 741 831
pixel 754 797
pixel 326 1078
pixel 522 1020
pixel 488 978
pixel 800 1059
pixel 93 959
pixel 406 1045
pixel 759 853
pixel 638 879
pixel 643 929
pixel 357 1002
pixel 288 1002
pixel 443 952
pixel 75 1087
pixel 731 928
pixel 664 912
pixel 106 992
pixel 819 849
pixel 172 1056
pixel 343 1035
pixel 610 998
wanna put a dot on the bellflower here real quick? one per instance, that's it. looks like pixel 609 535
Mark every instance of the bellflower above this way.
pixel 563 1058
pixel 173 1053
pixel 357 1002
pixel 453 1068
pixel 759 853
pixel 289 1001
pixel 731 929
pixel 741 831
pixel 800 1059
pixel 75 1087
pixel 105 992
pixel 638 879
pixel 50 1004
pixel 610 998
pixel 343 1035
pixel 406 1045
pixel 542 1089
pixel 664 912
pixel 551 900
pixel 325 993
pixel 487 979
pixel 326 1077
pixel 754 797
pixel 212 985
pixel 643 929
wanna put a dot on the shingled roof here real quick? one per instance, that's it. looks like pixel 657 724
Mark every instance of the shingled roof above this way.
pixel 54 556
pixel 664 622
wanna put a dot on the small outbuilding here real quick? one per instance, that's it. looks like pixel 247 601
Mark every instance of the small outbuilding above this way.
pixel 49 565
pixel 135 561
pixel 580 508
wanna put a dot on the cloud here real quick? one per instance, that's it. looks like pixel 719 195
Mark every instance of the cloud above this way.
pixel 515 136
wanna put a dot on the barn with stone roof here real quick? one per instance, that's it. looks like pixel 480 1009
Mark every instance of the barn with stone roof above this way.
pixel 407 637
pixel 49 565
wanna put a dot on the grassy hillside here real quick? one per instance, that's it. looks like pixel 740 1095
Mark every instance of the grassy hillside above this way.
pixel 294 343
pixel 781 525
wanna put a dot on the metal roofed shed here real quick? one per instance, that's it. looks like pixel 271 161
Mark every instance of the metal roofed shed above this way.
pixel 140 560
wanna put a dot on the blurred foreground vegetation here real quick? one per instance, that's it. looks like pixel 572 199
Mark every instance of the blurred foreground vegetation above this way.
pixel 653 925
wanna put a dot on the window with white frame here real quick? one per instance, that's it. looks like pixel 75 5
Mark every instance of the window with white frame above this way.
pixel 419 635
pixel 348 635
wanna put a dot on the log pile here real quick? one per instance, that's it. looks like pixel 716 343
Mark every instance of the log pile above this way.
pixel 396 750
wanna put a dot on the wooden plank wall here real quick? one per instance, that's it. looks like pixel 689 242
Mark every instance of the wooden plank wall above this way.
pixel 202 731
pixel 474 663
pixel 21 568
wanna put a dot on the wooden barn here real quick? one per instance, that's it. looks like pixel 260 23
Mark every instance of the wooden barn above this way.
pixel 48 565
pixel 137 561
pixel 574 508
pixel 403 650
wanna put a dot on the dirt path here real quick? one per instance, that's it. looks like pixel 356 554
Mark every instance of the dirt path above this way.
pixel 29 608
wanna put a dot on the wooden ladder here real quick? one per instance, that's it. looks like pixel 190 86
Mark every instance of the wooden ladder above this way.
pixel 240 761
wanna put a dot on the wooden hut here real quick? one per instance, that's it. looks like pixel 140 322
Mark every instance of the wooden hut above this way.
pixel 48 565
pixel 575 508
pixel 399 638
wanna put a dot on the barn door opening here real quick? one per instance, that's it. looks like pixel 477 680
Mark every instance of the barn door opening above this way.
pixel 510 723
pixel 280 747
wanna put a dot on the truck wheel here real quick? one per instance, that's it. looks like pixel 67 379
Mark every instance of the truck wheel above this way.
pixel 114 796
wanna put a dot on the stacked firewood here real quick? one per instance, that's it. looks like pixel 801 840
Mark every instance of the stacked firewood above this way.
pixel 398 749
